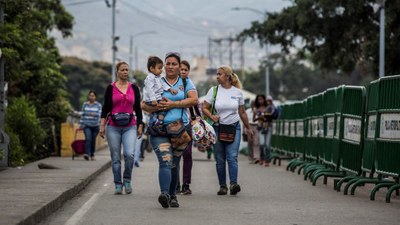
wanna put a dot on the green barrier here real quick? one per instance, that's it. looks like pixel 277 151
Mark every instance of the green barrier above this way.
pixel 388 124
pixel 329 121
pixel 352 126
pixel 370 133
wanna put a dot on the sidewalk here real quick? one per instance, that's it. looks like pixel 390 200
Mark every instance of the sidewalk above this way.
pixel 29 194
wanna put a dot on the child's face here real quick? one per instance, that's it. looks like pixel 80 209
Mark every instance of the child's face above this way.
pixel 157 70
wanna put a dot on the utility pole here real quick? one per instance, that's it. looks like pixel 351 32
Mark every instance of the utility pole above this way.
pixel 265 43
pixel 224 50
pixel 114 38
pixel 266 70
pixel 382 40
pixel 4 139
pixel 130 58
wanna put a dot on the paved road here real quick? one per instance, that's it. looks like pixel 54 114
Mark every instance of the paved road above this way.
pixel 269 196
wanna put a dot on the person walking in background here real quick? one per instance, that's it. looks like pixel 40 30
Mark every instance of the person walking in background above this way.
pixel 267 130
pixel 260 108
pixel 154 88
pixel 229 105
pixel 90 123
pixel 254 145
pixel 121 101
pixel 175 105
pixel 187 154
pixel 139 151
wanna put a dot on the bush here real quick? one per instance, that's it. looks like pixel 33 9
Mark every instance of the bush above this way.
pixel 26 135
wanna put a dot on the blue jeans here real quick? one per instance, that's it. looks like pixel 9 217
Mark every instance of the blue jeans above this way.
pixel 227 152
pixel 265 145
pixel 168 164
pixel 125 136
pixel 138 152
pixel 90 137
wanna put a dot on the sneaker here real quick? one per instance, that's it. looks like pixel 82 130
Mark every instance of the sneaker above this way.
pixel 118 189
pixel 235 188
pixel 128 187
pixel 163 199
pixel 93 158
pixel 136 163
pixel 173 202
pixel 223 190
pixel 186 190
pixel 86 157
pixel 178 189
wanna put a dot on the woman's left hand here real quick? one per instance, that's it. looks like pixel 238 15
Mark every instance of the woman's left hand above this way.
pixel 250 134
pixel 139 131
pixel 165 104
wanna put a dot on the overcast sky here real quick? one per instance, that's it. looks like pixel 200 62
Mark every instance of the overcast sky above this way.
pixel 180 25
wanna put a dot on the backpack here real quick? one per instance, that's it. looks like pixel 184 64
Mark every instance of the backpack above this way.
pixel 277 112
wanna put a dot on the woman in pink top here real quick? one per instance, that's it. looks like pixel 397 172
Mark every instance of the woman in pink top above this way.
pixel 121 100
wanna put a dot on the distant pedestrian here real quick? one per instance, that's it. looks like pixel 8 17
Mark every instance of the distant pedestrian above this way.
pixel 90 123
pixel 121 100
pixel 230 107
pixel 253 145
pixel 139 150
pixel 187 154
pixel 265 151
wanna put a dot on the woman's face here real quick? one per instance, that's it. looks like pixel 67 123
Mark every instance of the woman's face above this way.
pixel 260 100
pixel 91 97
pixel 123 72
pixel 184 71
pixel 222 77
pixel 172 67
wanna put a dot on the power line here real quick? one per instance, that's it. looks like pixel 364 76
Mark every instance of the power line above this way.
pixel 185 29
pixel 81 2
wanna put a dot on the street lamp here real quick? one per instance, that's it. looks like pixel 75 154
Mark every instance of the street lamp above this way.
pixel 131 47
pixel 265 43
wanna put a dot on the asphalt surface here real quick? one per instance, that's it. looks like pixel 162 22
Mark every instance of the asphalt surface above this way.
pixel 269 195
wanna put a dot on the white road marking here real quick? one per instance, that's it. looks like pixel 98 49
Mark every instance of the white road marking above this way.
pixel 80 213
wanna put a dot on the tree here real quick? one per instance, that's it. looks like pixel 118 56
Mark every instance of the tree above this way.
pixel 31 57
pixel 83 76
pixel 337 34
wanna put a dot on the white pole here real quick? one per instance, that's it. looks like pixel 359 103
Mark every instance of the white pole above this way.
pixel 114 47
pixel 130 59
pixel 266 70
pixel 382 41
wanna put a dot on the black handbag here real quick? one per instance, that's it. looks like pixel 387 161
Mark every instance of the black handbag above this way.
pixel 227 133
pixel 122 119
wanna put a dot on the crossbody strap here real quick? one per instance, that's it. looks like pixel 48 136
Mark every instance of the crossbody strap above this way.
pixel 215 91
pixel 184 91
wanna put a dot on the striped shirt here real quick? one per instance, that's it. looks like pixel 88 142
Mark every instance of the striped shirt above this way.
pixel 91 114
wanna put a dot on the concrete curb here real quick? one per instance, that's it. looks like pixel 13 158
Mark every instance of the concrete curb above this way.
pixel 55 204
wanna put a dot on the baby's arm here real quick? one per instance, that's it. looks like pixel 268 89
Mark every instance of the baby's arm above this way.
pixel 166 87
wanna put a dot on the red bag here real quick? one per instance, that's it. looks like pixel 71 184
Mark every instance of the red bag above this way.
pixel 78 145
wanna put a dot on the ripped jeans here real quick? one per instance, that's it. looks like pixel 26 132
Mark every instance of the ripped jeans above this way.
pixel 168 164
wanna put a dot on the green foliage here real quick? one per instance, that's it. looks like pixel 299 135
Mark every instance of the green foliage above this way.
pixel 337 34
pixel 22 121
pixel 84 76
pixel 16 155
pixel 292 78
pixel 33 63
